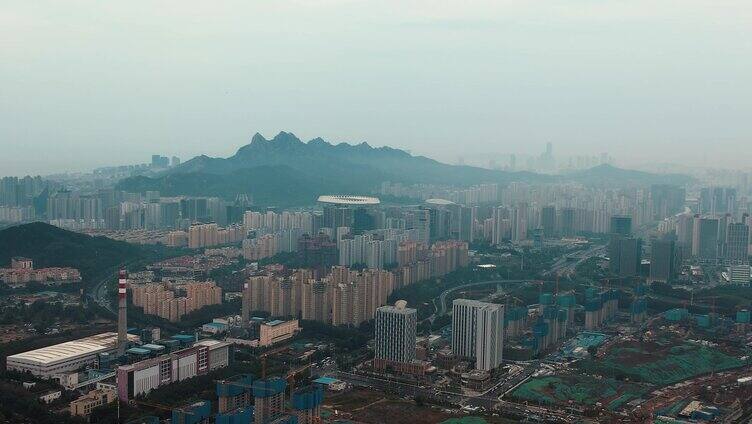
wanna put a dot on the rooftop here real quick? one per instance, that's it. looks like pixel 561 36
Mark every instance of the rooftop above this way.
pixel 349 200
pixel 439 202
pixel 216 325
pixel 67 350
pixel 211 343
pixel 152 346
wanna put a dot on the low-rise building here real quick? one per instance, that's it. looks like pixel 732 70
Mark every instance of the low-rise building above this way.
pixel 22 272
pixel 276 331
pixel 85 404
pixel 50 396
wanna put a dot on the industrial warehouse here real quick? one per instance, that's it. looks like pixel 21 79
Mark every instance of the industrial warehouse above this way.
pixel 65 357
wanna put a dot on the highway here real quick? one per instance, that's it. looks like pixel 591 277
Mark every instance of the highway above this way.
pixel 440 304
pixel 564 266
pixel 98 292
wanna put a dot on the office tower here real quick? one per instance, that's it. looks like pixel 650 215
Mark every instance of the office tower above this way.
pixel 737 243
pixel 623 250
pixel 684 234
pixel 269 400
pixel 395 335
pixel 548 221
pixel 489 337
pixel 478 332
pixel 625 255
pixel 621 225
pixel 122 339
pixel 567 226
pixel 662 260
pixel 705 238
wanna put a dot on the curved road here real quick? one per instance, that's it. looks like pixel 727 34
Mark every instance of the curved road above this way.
pixel 441 309
pixel 98 292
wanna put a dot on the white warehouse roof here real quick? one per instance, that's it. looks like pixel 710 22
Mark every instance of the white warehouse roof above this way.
pixel 349 200
pixel 439 202
pixel 65 351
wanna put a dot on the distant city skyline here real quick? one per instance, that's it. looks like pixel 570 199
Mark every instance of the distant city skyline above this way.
pixel 97 84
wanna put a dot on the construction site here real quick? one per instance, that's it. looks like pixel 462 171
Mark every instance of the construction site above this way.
pixel 656 369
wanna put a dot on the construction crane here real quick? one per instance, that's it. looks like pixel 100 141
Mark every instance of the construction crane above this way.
pixel 183 410
pixel 263 356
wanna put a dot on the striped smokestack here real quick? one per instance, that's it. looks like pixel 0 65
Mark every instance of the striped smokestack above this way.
pixel 122 340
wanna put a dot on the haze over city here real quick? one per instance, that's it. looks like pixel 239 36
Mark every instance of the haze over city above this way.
pixel 414 212
pixel 89 84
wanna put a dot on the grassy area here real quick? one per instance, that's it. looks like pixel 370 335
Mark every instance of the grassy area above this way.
pixel 660 364
pixel 584 390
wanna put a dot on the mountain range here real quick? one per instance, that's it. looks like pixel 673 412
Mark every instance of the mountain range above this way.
pixel 286 171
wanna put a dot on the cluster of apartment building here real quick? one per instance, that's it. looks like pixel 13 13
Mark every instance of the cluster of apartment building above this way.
pixel 346 296
pixel 16 214
pixel 22 272
pixel 200 235
pixel 267 245
pixel 165 301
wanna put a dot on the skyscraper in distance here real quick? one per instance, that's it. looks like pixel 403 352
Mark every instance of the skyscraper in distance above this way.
pixel 621 225
pixel 662 260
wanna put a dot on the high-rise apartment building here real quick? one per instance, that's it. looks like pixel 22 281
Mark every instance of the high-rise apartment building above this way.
pixel 548 221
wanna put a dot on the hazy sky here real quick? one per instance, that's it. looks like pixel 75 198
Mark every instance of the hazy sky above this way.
pixel 92 83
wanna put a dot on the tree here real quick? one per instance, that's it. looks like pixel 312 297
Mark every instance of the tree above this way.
pixel 593 351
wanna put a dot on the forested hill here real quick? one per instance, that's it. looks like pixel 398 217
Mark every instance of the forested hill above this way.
pixel 50 246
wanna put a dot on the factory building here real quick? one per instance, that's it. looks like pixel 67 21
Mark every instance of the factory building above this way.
pixel 144 376
pixel 62 358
